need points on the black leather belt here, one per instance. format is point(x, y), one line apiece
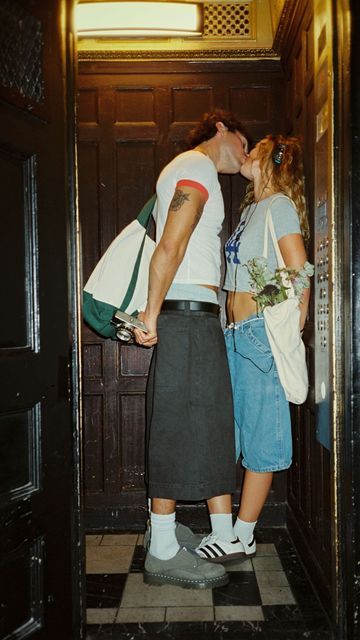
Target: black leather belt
point(190, 305)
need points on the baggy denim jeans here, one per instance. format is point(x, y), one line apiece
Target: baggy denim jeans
point(262, 414)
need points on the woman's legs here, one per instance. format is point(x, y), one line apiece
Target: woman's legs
point(256, 487)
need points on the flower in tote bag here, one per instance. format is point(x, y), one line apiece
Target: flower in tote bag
point(272, 287)
point(277, 295)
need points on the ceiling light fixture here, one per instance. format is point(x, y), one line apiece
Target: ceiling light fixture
point(137, 19)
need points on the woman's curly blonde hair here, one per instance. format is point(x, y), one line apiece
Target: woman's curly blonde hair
point(286, 177)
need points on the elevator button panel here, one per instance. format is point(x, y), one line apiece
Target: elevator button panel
point(322, 278)
point(322, 320)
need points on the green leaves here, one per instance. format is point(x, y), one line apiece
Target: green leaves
point(270, 288)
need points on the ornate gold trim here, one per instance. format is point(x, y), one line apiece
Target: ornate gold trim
point(284, 23)
point(94, 56)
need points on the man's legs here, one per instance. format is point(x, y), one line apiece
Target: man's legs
point(163, 506)
point(220, 510)
point(163, 542)
point(167, 563)
point(177, 457)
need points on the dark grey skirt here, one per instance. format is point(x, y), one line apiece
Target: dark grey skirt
point(190, 424)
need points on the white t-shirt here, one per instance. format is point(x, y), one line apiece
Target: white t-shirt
point(202, 259)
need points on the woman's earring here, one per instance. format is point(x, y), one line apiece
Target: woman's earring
point(278, 154)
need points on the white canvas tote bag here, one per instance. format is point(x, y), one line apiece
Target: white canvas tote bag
point(282, 325)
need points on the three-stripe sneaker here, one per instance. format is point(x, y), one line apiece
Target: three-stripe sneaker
point(215, 550)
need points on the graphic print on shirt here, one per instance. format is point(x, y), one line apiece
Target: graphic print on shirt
point(233, 244)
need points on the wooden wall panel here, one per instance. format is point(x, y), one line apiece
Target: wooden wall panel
point(94, 445)
point(132, 120)
point(132, 442)
point(187, 102)
point(135, 104)
point(88, 162)
point(135, 177)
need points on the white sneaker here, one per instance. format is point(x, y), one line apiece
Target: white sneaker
point(215, 550)
point(250, 548)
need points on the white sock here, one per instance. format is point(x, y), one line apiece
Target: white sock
point(163, 542)
point(244, 530)
point(222, 526)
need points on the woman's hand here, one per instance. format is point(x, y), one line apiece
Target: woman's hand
point(294, 254)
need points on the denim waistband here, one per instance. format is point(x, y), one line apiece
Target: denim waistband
point(255, 317)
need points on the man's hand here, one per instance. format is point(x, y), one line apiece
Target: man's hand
point(148, 339)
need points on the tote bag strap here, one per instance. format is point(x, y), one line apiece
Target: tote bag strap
point(144, 218)
point(269, 224)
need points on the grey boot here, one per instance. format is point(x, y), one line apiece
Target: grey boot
point(186, 569)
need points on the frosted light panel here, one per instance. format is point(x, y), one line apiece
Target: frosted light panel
point(137, 18)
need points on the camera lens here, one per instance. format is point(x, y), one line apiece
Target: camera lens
point(124, 334)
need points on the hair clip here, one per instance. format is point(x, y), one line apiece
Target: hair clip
point(278, 154)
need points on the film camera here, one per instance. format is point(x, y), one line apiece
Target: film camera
point(125, 325)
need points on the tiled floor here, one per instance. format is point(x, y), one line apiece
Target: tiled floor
point(268, 595)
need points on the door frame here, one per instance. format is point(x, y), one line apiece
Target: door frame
point(75, 293)
point(346, 591)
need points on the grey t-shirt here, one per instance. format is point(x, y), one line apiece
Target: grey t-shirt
point(247, 241)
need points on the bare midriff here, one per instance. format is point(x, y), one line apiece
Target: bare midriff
point(239, 306)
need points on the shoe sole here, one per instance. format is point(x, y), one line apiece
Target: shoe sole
point(227, 558)
point(158, 579)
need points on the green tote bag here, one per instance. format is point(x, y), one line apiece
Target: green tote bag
point(119, 281)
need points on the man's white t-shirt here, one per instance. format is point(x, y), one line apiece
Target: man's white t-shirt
point(202, 260)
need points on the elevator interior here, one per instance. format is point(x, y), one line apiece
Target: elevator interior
point(70, 429)
point(135, 104)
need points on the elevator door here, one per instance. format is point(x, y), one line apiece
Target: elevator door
point(132, 121)
point(36, 474)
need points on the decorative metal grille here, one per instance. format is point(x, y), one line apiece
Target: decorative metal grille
point(21, 45)
point(228, 20)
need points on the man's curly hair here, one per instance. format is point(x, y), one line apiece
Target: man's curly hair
point(206, 127)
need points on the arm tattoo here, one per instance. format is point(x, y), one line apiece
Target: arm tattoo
point(198, 216)
point(178, 200)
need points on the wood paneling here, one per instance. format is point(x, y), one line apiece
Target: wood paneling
point(132, 121)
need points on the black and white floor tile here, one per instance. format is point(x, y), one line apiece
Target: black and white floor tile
point(268, 595)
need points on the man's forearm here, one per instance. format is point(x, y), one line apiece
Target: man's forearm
point(163, 267)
